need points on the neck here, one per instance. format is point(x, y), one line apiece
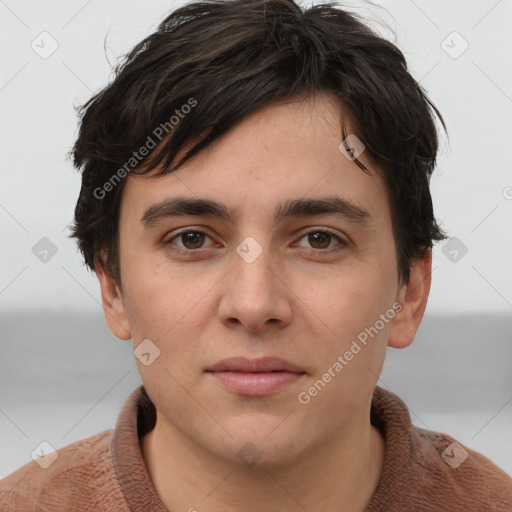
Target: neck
point(342, 474)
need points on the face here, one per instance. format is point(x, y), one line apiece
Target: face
point(300, 266)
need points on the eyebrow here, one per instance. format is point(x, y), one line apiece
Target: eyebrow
point(202, 207)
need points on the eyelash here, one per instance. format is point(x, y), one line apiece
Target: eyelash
point(341, 245)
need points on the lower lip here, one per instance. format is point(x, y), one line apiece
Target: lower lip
point(256, 384)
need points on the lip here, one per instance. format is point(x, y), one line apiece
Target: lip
point(262, 364)
point(255, 377)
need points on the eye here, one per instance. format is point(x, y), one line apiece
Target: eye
point(190, 240)
point(321, 240)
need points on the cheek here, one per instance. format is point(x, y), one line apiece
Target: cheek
point(346, 303)
point(349, 367)
point(154, 298)
point(356, 315)
point(169, 310)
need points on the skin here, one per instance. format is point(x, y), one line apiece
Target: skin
point(293, 302)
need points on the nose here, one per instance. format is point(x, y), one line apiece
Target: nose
point(255, 296)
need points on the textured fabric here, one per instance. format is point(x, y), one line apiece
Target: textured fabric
point(106, 472)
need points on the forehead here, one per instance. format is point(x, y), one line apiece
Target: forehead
point(284, 152)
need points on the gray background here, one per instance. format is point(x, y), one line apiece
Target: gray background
point(63, 376)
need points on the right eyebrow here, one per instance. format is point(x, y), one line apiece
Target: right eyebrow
point(181, 206)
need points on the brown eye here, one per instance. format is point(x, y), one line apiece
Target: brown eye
point(319, 239)
point(322, 241)
point(189, 240)
point(192, 239)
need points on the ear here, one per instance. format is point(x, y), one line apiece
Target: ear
point(113, 305)
point(413, 299)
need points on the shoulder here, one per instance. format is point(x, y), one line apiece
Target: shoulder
point(81, 476)
point(449, 468)
point(427, 471)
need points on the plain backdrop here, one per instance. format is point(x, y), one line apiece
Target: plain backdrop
point(63, 376)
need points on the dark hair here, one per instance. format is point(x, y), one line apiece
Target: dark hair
point(225, 59)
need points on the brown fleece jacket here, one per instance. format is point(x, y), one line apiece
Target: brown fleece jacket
point(423, 471)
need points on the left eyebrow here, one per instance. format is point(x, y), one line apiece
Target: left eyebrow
point(330, 205)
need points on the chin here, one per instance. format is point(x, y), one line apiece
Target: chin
point(264, 449)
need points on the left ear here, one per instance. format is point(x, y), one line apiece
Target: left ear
point(413, 299)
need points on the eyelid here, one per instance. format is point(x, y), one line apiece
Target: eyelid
point(168, 241)
point(309, 230)
point(321, 229)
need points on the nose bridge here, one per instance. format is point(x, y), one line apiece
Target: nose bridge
point(254, 293)
point(252, 278)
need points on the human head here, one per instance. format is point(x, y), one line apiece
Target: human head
point(253, 100)
point(211, 64)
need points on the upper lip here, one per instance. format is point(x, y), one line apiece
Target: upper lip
point(263, 364)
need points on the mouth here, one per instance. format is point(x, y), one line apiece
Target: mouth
point(260, 365)
point(255, 377)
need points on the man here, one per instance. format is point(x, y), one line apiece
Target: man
point(255, 204)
